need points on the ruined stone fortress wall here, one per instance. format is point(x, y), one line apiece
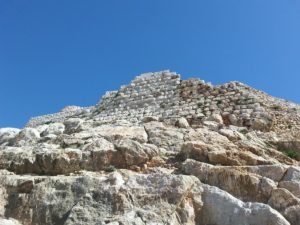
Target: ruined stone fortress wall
point(67, 112)
point(163, 94)
point(151, 94)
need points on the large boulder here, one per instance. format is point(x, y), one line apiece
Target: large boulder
point(164, 136)
point(263, 123)
point(6, 134)
point(118, 132)
point(291, 181)
point(244, 185)
point(218, 154)
point(27, 136)
point(221, 208)
point(54, 129)
point(216, 118)
point(133, 153)
point(99, 153)
point(73, 125)
point(9, 222)
point(182, 123)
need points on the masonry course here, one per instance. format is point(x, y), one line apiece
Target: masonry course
point(164, 95)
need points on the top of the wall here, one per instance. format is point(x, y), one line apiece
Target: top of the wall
point(164, 95)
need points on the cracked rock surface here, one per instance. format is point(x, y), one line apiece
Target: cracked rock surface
point(216, 169)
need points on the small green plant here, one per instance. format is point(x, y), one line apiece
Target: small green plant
point(110, 168)
point(276, 107)
point(290, 153)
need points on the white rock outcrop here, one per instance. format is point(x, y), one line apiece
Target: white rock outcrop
point(158, 151)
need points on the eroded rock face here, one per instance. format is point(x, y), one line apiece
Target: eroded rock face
point(9, 222)
point(53, 129)
point(128, 198)
point(158, 151)
point(94, 198)
point(6, 134)
point(112, 133)
point(252, 184)
point(165, 137)
point(27, 136)
point(224, 209)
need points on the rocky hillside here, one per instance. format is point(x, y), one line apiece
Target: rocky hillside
point(160, 150)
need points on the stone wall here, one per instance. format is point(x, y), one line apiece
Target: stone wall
point(69, 111)
point(151, 94)
point(163, 94)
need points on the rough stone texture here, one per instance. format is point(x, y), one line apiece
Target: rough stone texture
point(128, 198)
point(53, 129)
point(158, 151)
point(164, 95)
point(69, 111)
point(182, 123)
point(226, 210)
point(6, 134)
point(9, 222)
point(163, 136)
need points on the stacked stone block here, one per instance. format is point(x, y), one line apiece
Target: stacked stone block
point(151, 94)
point(163, 94)
point(67, 112)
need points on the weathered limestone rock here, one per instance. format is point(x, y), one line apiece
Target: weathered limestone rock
point(164, 137)
point(287, 204)
point(248, 186)
point(212, 125)
point(135, 153)
point(208, 136)
point(54, 129)
point(233, 119)
point(26, 136)
point(98, 154)
point(231, 134)
point(223, 154)
point(6, 134)
point(73, 125)
point(9, 222)
point(274, 172)
point(292, 186)
point(148, 119)
point(216, 118)
point(182, 123)
point(121, 162)
point(224, 209)
point(133, 199)
point(245, 186)
point(112, 133)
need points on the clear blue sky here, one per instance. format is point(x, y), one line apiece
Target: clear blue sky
point(69, 52)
